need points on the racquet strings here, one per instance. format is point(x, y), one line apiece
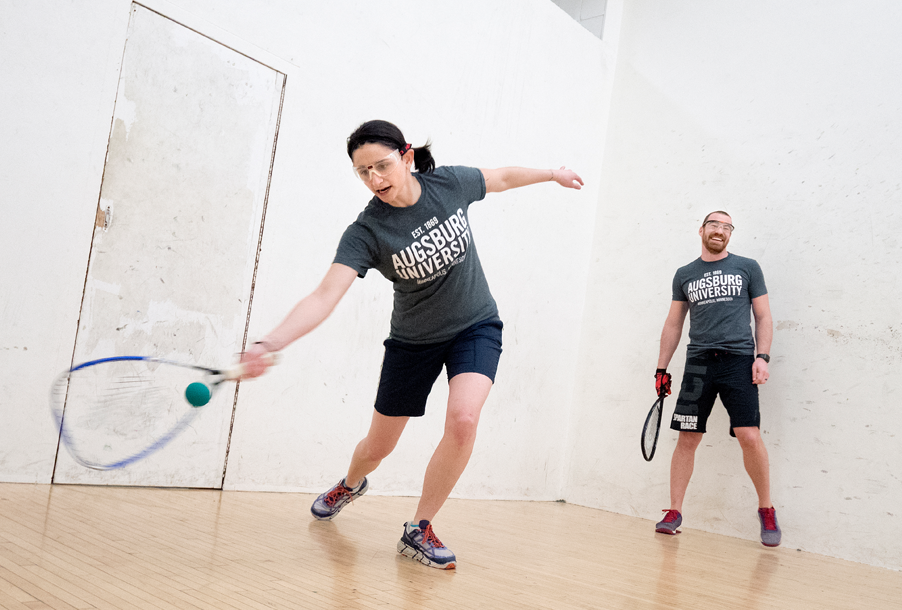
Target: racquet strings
point(113, 413)
point(652, 429)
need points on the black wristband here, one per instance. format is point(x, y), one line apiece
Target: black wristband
point(660, 371)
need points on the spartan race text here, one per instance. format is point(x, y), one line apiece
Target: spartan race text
point(687, 422)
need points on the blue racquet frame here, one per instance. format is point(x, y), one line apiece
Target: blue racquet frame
point(69, 433)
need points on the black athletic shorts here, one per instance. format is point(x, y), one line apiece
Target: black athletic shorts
point(708, 375)
point(410, 370)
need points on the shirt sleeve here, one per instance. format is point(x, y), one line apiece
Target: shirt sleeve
point(757, 287)
point(470, 180)
point(678, 294)
point(356, 249)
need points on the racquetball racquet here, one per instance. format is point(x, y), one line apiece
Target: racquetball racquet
point(113, 412)
point(652, 428)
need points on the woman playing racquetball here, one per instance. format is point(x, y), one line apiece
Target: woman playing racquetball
point(416, 232)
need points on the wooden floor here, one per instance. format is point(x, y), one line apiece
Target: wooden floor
point(97, 547)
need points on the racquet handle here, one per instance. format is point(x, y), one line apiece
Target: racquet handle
point(236, 372)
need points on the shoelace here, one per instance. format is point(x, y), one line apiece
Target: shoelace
point(770, 523)
point(336, 494)
point(430, 537)
point(671, 515)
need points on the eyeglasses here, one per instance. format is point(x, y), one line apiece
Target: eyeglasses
point(380, 168)
point(723, 226)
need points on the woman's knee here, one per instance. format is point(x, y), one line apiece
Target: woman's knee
point(460, 427)
point(376, 449)
point(382, 437)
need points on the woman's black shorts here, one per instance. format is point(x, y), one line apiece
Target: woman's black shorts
point(410, 370)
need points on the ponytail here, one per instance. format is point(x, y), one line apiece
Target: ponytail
point(387, 134)
point(422, 158)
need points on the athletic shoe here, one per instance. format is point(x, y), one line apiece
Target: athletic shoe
point(329, 504)
point(669, 524)
point(422, 544)
point(771, 534)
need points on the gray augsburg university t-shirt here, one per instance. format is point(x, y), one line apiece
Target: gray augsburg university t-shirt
point(720, 297)
point(427, 252)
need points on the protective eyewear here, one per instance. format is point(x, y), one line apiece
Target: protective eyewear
point(725, 227)
point(380, 168)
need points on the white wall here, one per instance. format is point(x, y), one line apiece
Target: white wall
point(57, 108)
point(499, 83)
point(785, 115)
point(492, 84)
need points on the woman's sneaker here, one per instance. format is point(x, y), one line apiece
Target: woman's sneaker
point(329, 504)
point(421, 543)
point(770, 530)
point(669, 524)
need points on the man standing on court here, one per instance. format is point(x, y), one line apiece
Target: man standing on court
point(723, 357)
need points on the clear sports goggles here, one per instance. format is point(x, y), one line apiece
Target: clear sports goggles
point(380, 168)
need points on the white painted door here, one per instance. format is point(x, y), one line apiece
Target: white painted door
point(183, 197)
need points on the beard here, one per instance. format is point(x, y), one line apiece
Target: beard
point(716, 247)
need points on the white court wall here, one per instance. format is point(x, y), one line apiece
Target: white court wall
point(495, 83)
point(490, 85)
point(785, 115)
point(59, 85)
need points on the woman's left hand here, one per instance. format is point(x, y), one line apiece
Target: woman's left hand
point(567, 178)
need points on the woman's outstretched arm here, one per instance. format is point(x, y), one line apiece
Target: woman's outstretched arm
point(505, 178)
point(309, 313)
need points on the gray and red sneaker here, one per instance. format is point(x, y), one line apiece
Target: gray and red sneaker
point(669, 524)
point(771, 534)
point(329, 504)
point(420, 542)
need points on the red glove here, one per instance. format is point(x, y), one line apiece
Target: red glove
point(662, 382)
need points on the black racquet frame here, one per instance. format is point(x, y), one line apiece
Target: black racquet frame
point(652, 422)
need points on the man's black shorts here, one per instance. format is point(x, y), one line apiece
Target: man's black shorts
point(409, 370)
point(708, 375)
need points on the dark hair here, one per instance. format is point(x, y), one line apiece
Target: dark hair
point(714, 212)
point(387, 134)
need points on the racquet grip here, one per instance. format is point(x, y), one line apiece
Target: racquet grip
point(236, 372)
